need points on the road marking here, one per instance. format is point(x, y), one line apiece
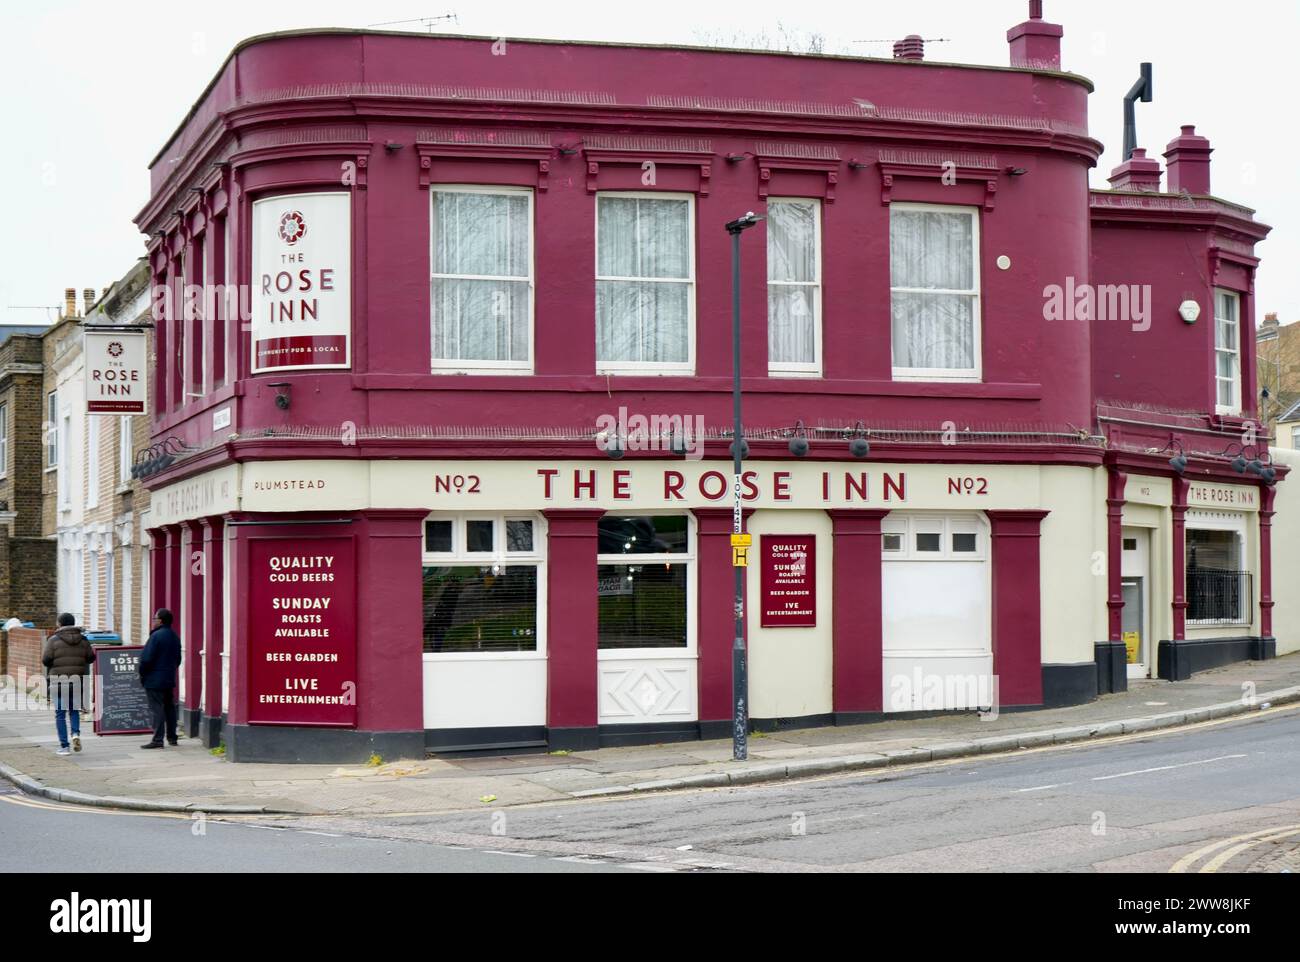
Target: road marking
point(1167, 768)
point(1224, 857)
point(1187, 861)
point(1042, 788)
point(493, 851)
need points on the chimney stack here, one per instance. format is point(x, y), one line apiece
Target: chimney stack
point(88, 295)
point(1140, 172)
point(69, 302)
point(911, 47)
point(1270, 321)
point(1036, 43)
point(1188, 157)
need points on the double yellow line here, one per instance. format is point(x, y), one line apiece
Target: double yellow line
point(1230, 848)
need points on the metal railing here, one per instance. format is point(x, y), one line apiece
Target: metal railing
point(1216, 597)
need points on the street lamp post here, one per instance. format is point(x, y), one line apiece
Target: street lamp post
point(739, 667)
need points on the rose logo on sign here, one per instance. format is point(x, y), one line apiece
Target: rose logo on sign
point(115, 349)
point(292, 226)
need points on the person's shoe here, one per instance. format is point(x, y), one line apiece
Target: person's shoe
point(76, 743)
point(63, 751)
point(152, 745)
point(173, 742)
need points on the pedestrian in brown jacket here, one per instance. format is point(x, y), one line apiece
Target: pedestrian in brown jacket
point(67, 658)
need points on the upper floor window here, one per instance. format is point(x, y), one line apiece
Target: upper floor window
point(482, 283)
point(934, 292)
point(52, 429)
point(794, 274)
point(1227, 352)
point(645, 283)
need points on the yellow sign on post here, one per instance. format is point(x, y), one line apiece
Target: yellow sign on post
point(742, 540)
point(740, 557)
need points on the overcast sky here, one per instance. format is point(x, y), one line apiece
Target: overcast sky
point(93, 89)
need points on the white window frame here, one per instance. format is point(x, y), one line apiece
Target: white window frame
point(460, 556)
point(457, 365)
point(788, 368)
point(688, 558)
point(64, 433)
point(4, 440)
point(909, 524)
point(1234, 353)
point(975, 375)
point(124, 451)
point(92, 461)
point(52, 431)
point(661, 368)
point(1236, 523)
point(1295, 438)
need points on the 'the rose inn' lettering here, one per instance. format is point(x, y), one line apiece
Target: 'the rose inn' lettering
point(675, 486)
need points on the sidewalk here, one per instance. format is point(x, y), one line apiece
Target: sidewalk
point(189, 777)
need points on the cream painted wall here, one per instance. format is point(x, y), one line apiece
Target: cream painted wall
point(1068, 583)
point(1286, 556)
point(790, 668)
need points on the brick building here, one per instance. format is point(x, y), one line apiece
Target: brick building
point(27, 582)
point(1279, 374)
point(91, 504)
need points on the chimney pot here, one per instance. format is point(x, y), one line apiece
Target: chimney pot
point(1188, 159)
point(1036, 43)
point(1139, 172)
point(69, 302)
point(88, 295)
point(911, 47)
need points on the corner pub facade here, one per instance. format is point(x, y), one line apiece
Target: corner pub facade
point(459, 477)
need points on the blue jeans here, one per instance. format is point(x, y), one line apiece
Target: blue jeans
point(65, 703)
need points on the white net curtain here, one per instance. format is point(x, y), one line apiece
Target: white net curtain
point(482, 267)
point(793, 276)
point(932, 275)
point(643, 280)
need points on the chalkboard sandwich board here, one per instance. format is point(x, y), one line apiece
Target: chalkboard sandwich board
point(121, 704)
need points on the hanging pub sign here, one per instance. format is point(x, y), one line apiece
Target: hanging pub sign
point(302, 646)
point(116, 371)
point(301, 301)
point(788, 579)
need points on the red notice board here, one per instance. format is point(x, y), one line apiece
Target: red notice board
point(788, 581)
point(302, 632)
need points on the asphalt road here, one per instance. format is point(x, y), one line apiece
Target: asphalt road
point(1136, 804)
point(1224, 797)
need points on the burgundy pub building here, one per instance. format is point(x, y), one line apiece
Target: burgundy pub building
point(449, 468)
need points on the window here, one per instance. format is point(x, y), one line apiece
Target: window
point(1295, 439)
point(65, 476)
point(1227, 352)
point(1218, 591)
point(934, 292)
point(644, 578)
point(52, 429)
point(482, 578)
point(482, 284)
point(794, 286)
point(928, 537)
point(124, 451)
point(4, 439)
point(645, 283)
point(92, 461)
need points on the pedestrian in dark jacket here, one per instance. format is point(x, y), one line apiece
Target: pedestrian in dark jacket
point(67, 657)
point(159, 662)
